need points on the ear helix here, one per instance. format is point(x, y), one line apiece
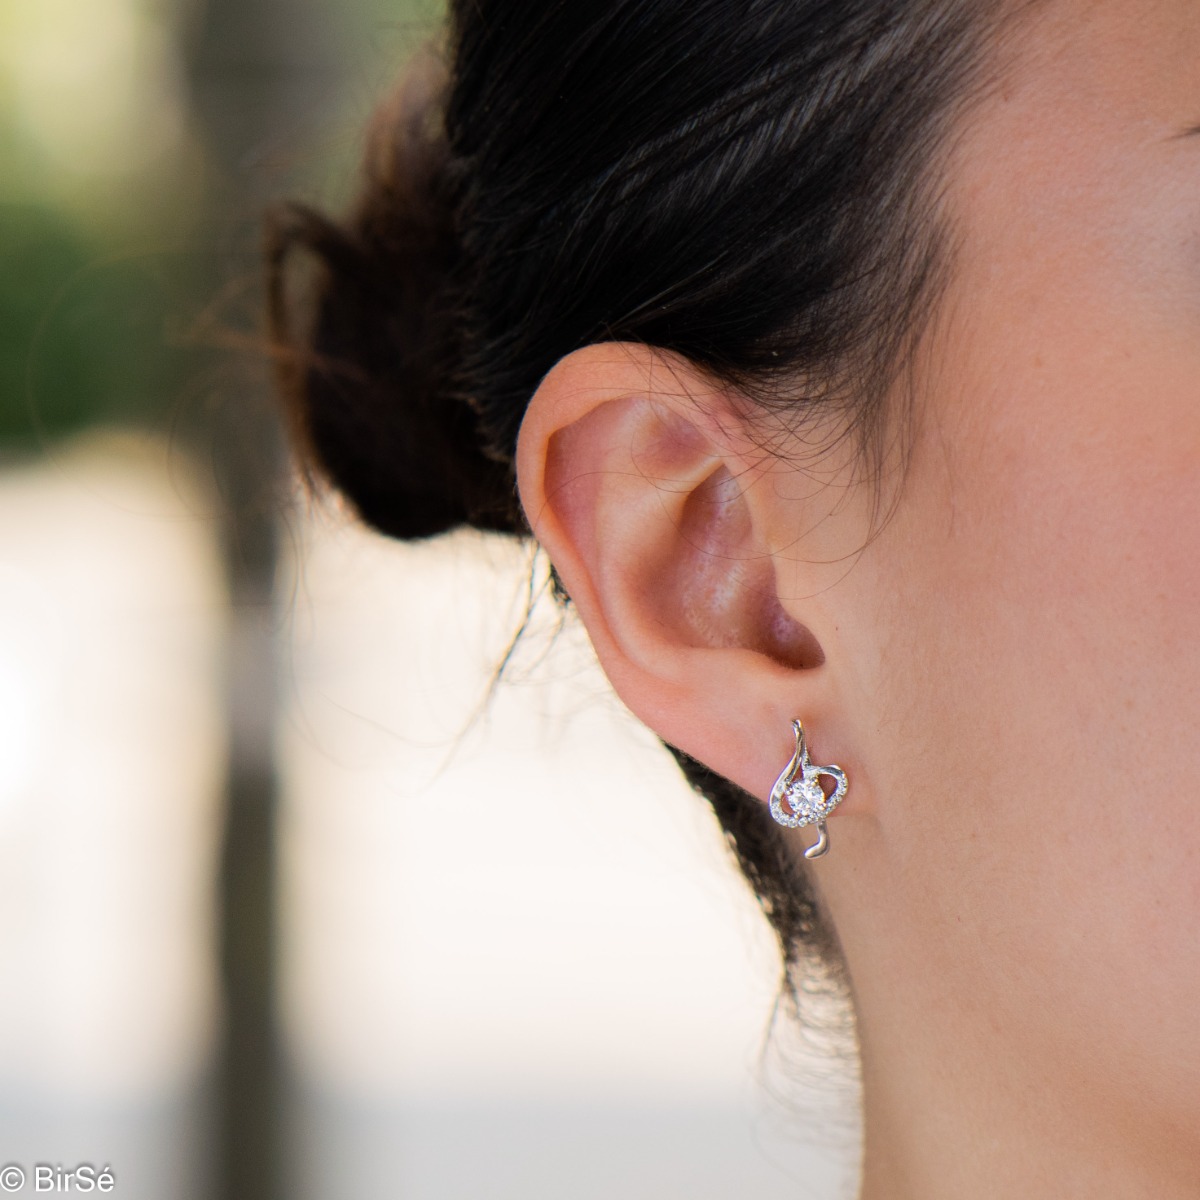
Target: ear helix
point(798, 799)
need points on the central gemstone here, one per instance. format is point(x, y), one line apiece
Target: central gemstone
point(806, 798)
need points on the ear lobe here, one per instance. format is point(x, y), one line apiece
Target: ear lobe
point(637, 480)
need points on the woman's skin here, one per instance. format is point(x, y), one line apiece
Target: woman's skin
point(1009, 672)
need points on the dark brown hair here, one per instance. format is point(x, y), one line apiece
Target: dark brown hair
point(748, 183)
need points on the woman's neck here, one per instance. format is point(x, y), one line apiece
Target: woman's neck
point(957, 1105)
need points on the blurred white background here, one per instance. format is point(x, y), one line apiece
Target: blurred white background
point(516, 959)
point(112, 628)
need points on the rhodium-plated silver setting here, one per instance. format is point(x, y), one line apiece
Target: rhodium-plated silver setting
point(799, 799)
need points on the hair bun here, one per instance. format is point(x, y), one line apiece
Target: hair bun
point(368, 379)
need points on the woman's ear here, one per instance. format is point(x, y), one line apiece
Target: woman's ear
point(663, 518)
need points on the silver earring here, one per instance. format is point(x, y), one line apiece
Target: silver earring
point(798, 798)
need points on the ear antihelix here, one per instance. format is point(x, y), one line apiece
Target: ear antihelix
point(798, 799)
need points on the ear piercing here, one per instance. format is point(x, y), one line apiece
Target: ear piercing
point(798, 798)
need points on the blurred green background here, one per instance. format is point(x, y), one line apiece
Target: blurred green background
point(139, 140)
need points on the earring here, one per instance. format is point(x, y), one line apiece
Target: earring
point(798, 798)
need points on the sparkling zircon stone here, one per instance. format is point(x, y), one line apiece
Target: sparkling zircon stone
point(806, 798)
